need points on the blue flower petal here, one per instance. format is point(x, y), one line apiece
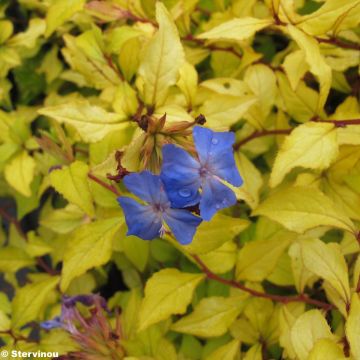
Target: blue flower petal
point(216, 153)
point(223, 165)
point(183, 224)
point(146, 186)
point(215, 196)
point(142, 221)
point(51, 324)
point(180, 175)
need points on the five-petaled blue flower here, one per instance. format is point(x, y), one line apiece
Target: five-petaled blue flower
point(147, 221)
point(183, 175)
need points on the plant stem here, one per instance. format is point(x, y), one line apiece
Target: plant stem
point(39, 260)
point(340, 43)
point(278, 298)
point(102, 183)
point(260, 133)
point(211, 47)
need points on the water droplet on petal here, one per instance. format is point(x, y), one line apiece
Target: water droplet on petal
point(214, 141)
point(218, 206)
point(211, 153)
point(184, 193)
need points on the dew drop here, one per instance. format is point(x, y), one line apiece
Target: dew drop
point(218, 206)
point(214, 141)
point(184, 193)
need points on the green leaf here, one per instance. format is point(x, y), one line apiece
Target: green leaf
point(89, 246)
point(236, 29)
point(92, 122)
point(327, 262)
point(20, 172)
point(311, 145)
point(59, 12)
point(167, 292)
point(12, 259)
point(352, 327)
point(302, 208)
point(211, 317)
point(308, 328)
point(30, 299)
point(316, 62)
point(211, 235)
point(63, 220)
point(331, 15)
point(72, 183)
point(326, 349)
point(257, 259)
point(226, 352)
point(162, 59)
point(295, 67)
point(136, 250)
point(222, 111)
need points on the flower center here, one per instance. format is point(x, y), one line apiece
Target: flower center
point(159, 208)
point(204, 171)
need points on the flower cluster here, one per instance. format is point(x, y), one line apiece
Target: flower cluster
point(184, 182)
point(93, 335)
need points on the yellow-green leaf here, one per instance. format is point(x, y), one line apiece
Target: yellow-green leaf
point(316, 62)
point(61, 11)
point(211, 235)
point(326, 349)
point(295, 67)
point(222, 111)
point(302, 208)
point(30, 299)
point(236, 29)
point(311, 145)
point(92, 122)
point(12, 259)
point(88, 246)
point(330, 15)
point(167, 292)
point(162, 59)
point(72, 183)
point(308, 328)
point(327, 262)
point(19, 173)
point(225, 352)
point(211, 317)
point(353, 326)
point(257, 259)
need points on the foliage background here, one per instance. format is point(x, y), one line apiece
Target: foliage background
point(274, 277)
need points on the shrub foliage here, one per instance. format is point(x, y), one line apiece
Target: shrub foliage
point(91, 91)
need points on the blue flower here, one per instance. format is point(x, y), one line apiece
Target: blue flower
point(183, 175)
point(147, 221)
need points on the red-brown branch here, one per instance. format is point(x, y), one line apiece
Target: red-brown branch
point(340, 43)
point(39, 261)
point(257, 134)
point(13, 221)
point(102, 183)
point(278, 298)
point(260, 133)
point(211, 47)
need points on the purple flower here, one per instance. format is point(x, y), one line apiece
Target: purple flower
point(183, 175)
point(147, 220)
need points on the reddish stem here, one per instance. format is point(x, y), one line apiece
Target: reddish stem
point(278, 298)
point(13, 221)
point(211, 47)
point(340, 43)
point(102, 183)
point(256, 134)
point(39, 261)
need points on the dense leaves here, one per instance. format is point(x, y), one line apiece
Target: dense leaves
point(179, 179)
